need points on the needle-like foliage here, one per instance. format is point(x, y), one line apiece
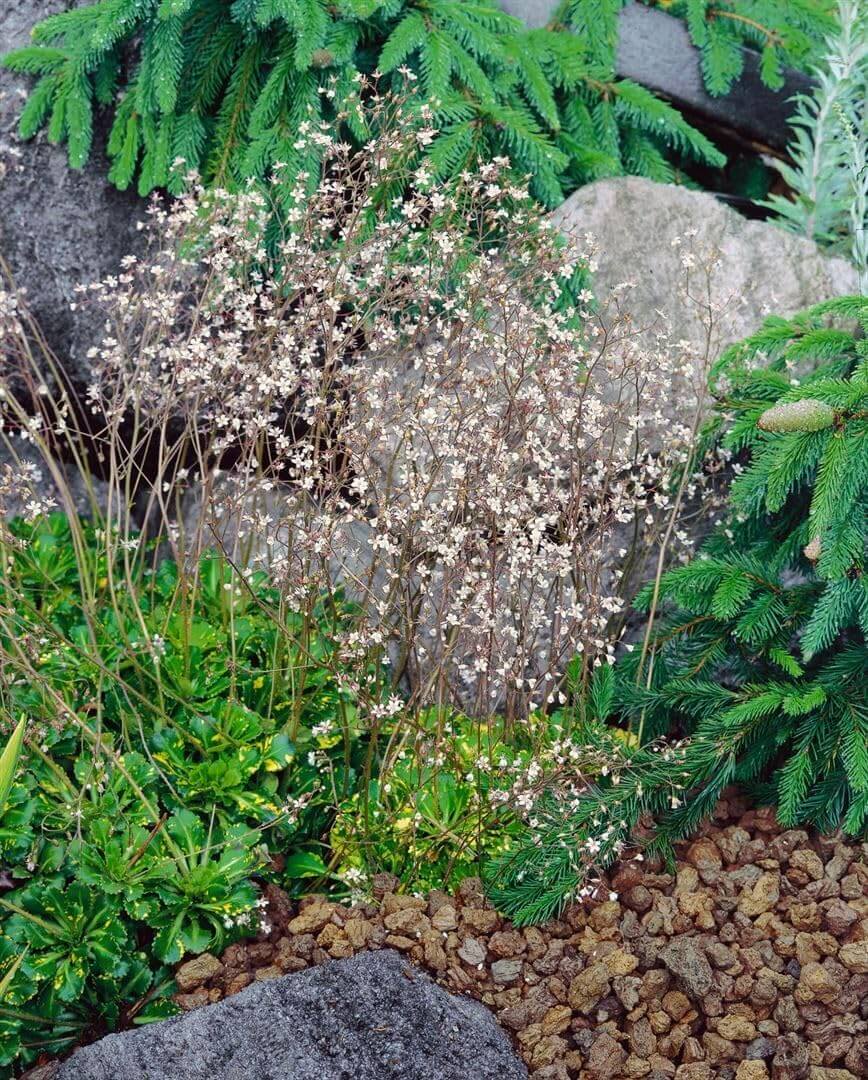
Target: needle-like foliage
point(224, 85)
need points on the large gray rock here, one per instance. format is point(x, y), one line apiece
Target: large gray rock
point(761, 270)
point(58, 227)
point(370, 1018)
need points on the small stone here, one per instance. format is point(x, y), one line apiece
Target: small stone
point(548, 963)
point(854, 957)
point(857, 1056)
point(340, 949)
point(588, 987)
point(686, 960)
point(762, 897)
point(242, 979)
point(358, 931)
point(547, 1051)
point(393, 902)
point(737, 1028)
point(606, 1059)
point(636, 1067)
point(557, 1019)
point(809, 862)
point(263, 974)
point(621, 962)
point(676, 1004)
point(505, 972)
point(642, 1039)
point(188, 1002)
point(507, 943)
point(445, 918)
point(637, 898)
point(760, 1049)
point(839, 918)
point(816, 984)
point(692, 1050)
point(398, 941)
point(435, 955)
point(704, 854)
point(471, 892)
point(472, 952)
point(480, 920)
point(719, 1051)
point(381, 884)
point(696, 1070)
point(197, 971)
point(752, 1070)
point(312, 918)
point(792, 1060)
point(805, 916)
point(626, 990)
point(407, 921)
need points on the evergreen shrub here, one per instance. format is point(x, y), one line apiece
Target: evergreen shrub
point(225, 85)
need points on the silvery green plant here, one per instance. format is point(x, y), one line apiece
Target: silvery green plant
point(859, 186)
point(827, 173)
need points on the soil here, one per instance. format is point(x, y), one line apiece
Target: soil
point(750, 962)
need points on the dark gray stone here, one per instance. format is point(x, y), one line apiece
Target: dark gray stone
point(374, 1017)
point(655, 49)
point(58, 227)
point(760, 1049)
point(684, 957)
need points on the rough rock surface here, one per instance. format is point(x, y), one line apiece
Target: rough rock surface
point(58, 227)
point(749, 963)
point(764, 270)
point(371, 1018)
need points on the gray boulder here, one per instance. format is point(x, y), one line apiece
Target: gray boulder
point(762, 270)
point(58, 227)
point(374, 1017)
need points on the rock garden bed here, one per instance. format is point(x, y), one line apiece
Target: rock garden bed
point(750, 961)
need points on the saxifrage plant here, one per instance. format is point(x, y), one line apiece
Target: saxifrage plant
point(226, 84)
point(759, 664)
point(170, 748)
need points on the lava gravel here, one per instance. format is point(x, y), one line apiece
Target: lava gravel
point(749, 962)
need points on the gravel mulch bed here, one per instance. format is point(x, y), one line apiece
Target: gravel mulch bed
point(751, 962)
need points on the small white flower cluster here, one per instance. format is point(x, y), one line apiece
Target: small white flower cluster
point(21, 493)
point(254, 919)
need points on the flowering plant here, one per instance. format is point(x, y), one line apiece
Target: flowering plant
point(406, 398)
point(343, 478)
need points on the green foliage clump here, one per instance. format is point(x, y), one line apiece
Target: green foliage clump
point(431, 820)
point(170, 750)
point(224, 85)
point(759, 663)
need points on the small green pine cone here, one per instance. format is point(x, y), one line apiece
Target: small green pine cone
point(806, 415)
point(813, 550)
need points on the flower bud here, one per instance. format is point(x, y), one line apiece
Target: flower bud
point(806, 415)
